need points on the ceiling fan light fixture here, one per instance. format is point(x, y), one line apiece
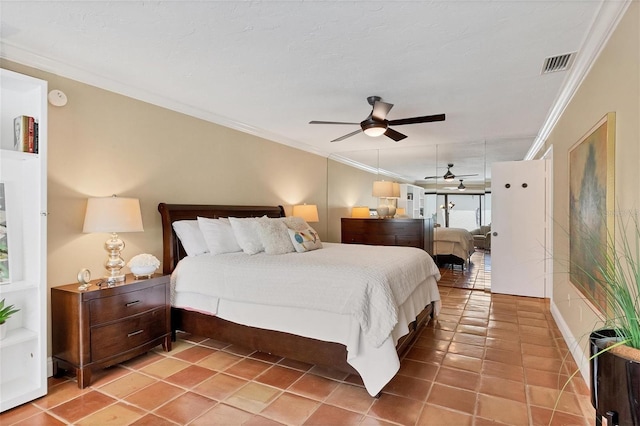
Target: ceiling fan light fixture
point(449, 177)
point(461, 187)
point(373, 128)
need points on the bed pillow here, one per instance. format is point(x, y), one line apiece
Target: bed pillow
point(245, 230)
point(274, 236)
point(305, 240)
point(295, 223)
point(189, 234)
point(218, 235)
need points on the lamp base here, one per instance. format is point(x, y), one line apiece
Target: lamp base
point(114, 262)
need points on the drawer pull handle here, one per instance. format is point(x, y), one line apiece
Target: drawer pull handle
point(134, 333)
point(132, 303)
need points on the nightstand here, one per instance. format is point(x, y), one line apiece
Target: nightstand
point(103, 326)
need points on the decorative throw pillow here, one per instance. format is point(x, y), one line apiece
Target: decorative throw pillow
point(305, 240)
point(218, 235)
point(274, 236)
point(191, 237)
point(246, 232)
point(295, 223)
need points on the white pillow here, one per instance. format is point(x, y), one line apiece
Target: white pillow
point(305, 240)
point(295, 223)
point(274, 236)
point(189, 234)
point(246, 232)
point(218, 235)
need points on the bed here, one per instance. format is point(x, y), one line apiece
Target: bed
point(324, 336)
point(452, 246)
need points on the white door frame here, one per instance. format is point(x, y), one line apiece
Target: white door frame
point(548, 285)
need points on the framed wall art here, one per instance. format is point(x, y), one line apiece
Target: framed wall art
point(591, 207)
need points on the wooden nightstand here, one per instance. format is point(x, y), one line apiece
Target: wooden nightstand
point(100, 327)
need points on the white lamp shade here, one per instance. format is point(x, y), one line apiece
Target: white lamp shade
point(360, 211)
point(309, 212)
point(396, 190)
point(113, 214)
point(383, 189)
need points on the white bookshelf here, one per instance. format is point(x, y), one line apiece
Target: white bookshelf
point(23, 373)
point(412, 200)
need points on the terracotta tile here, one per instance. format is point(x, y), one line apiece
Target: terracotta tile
point(117, 414)
point(329, 373)
point(372, 421)
point(470, 339)
point(40, 419)
point(223, 415)
point(541, 351)
point(165, 368)
point(452, 398)
point(185, 408)
point(458, 378)
point(290, 409)
point(466, 349)
point(253, 397)
point(262, 356)
point(219, 361)
point(396, 409)
point(463, 362)
point(190, 376)
point(554, 399)
point(545, 379)
point(504, 344)
point(502, 410)
point(408, 387)
point(143, 360)
point(545, 416)
point(194, 354)
point(279, 377)
point(152, 420)
point(154, 395)
point(425, 355)
point(106, 375)
point(238, 350)
point(330, 415)
point(19, 413)
point(472, 329)
point(179, 346)
point(478, 322)
point(313, 386)
point(542, 363)
point(220, 386)
point(296, 365)
point(257, 420)
point(417, 369)
point(499, 369)
point(434, 415)
point(351, 397)
point(82, 406)
point(505, 357)
point(127, 385)
point(58, 394)
point(503, 388)
point(214, 344)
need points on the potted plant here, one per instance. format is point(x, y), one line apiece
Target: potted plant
point(5, 314)
point(615, 348)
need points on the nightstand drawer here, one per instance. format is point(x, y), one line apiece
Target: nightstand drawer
point(126, 304)
point(113, 339)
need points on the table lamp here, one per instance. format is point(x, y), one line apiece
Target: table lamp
point(309, 212)
point(113, 215)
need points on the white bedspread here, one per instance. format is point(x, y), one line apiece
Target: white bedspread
point(367, 282)
point(456, 241)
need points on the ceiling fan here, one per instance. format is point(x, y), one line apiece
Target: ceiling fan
point(449, 176)
point(376, 124)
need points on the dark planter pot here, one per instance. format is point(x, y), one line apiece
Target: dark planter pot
point(615, 384)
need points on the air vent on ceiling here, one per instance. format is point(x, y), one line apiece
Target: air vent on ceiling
point(558, 63)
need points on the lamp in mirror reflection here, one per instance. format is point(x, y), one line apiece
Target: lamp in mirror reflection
point(309, 212)
point(387, 193)
point(461, 187)
point(113, 215)
point(360, 211)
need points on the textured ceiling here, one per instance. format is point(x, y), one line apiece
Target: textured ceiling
point(270, 67)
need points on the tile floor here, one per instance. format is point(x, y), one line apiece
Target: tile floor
point(487, 359)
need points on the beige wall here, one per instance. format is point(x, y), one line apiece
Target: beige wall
point(612, 85)
point(102, 143)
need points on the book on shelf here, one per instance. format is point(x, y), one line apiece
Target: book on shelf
point(25, 134)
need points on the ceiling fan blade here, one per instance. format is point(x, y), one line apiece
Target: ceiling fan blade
point(432, 177)
point(459, 176)
point(348, 135)
point(415, 120)
point(380, 110)
point(396, 136)
point(331, 122)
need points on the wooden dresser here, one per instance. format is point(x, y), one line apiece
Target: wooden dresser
point(100, 327)
point(389, 232)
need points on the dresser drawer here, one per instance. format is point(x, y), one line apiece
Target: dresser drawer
point(118, 337)
point(126, 304)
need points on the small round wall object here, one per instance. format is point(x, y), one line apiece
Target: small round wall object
point(84, 277)
point(57, 98)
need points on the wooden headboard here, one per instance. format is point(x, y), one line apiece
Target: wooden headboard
point(172, 250)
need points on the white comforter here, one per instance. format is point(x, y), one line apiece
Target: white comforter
point(367, 282)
